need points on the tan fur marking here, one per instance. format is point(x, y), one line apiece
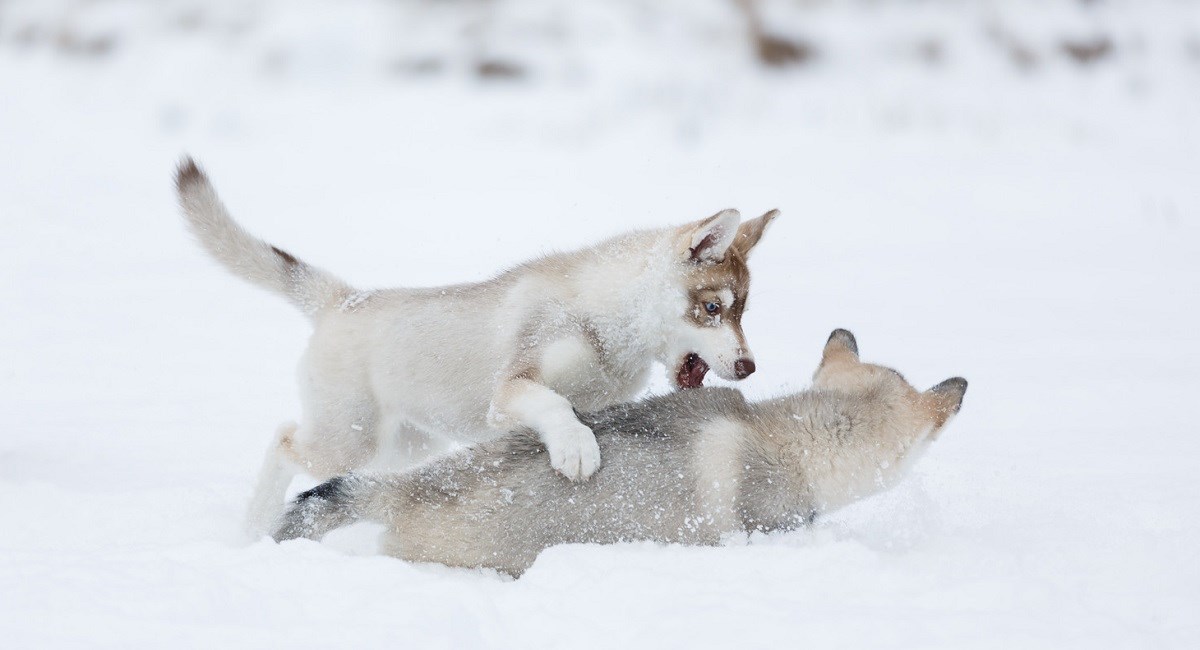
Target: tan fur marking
point(530, 373)
point(287, 445)
point(706, 282)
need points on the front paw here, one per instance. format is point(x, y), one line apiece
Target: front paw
point(574, 452)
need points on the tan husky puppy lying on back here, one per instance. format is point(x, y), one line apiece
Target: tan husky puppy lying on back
point(686, 467)
point(409, 372)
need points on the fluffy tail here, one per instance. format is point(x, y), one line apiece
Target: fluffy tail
point(335, 503)
point(308, 287)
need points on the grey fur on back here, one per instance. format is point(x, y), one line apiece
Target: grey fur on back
point(498, 504)
point(686, 468)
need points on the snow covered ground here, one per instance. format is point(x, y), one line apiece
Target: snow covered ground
point(1034, 227)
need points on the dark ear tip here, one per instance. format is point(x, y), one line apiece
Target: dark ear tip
point(953, 385)
point(845, 337)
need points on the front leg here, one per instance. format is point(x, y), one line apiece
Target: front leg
point(522, 400)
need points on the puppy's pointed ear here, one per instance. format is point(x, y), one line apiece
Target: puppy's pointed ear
point(751, 231)
point(945, 399)
point(708, 240)
point(841, 344)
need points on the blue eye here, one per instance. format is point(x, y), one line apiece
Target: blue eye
point(712, 308)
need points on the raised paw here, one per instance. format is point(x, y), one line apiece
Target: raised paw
point(573, 451)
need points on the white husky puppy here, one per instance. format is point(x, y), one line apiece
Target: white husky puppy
point(686, 467)
point(409, 372)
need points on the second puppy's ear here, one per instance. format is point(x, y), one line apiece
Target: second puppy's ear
point(841, 342)
point(945, 399)
point(707, 241)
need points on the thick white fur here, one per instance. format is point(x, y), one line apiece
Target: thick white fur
point(719, 468)
point(395, 376)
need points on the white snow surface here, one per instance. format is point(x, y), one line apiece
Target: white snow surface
point(1034, 230)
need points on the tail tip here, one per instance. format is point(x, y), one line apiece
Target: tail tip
point(314, 512)
point(188, 175)
point(328, 491)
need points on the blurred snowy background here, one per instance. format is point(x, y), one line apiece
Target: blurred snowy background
point(1006, 190)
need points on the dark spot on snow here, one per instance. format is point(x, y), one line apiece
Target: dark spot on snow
point(497, 69)
point(1088, 51)
point(777, 52)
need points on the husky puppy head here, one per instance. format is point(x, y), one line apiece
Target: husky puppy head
point(711, 268)
point(842, 370)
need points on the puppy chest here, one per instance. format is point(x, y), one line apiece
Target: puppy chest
point(589, 377)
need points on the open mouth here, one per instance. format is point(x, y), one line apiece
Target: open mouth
point(691, 372)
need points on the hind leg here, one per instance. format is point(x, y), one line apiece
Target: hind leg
point(336, 444)
point(278, 469)
point(338, 427)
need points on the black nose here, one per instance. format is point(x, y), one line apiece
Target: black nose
point(743, 368)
